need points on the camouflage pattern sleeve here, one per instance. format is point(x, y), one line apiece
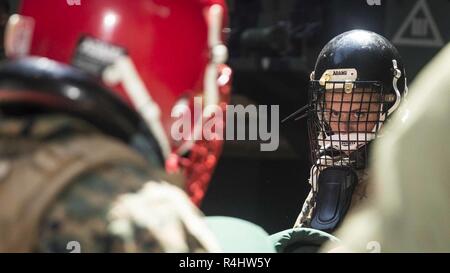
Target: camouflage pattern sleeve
point(93, 213)
point(304, 218)
point(305, 215)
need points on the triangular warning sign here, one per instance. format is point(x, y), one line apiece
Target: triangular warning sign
point(419, 28)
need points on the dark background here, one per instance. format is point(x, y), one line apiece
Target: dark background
point(273, 46)
point(272, 66)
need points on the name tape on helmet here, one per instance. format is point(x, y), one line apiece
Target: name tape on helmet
point(339, 75)
point(93, 55)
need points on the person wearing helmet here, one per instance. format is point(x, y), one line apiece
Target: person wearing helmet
point(156, 57)
point(409, 211)
point(86, 102)
point(358, 81)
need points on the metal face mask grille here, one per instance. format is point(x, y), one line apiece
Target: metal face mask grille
point(344, 118)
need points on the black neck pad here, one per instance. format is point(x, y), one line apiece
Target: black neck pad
point(335, 190)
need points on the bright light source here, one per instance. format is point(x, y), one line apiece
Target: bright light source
point(110, 20)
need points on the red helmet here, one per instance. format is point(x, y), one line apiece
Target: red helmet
point(153, 54)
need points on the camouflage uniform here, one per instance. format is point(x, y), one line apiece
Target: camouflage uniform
point(63, 184)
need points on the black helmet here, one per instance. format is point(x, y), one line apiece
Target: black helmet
point(369, 53)
point(358, 81)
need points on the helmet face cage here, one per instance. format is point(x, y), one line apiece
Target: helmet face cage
point(344, 118)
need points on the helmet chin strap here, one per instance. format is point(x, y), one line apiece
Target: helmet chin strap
point(218, 56)
point(346, 142)
point(123, 71)
point(397, 75)
point(398, 97)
